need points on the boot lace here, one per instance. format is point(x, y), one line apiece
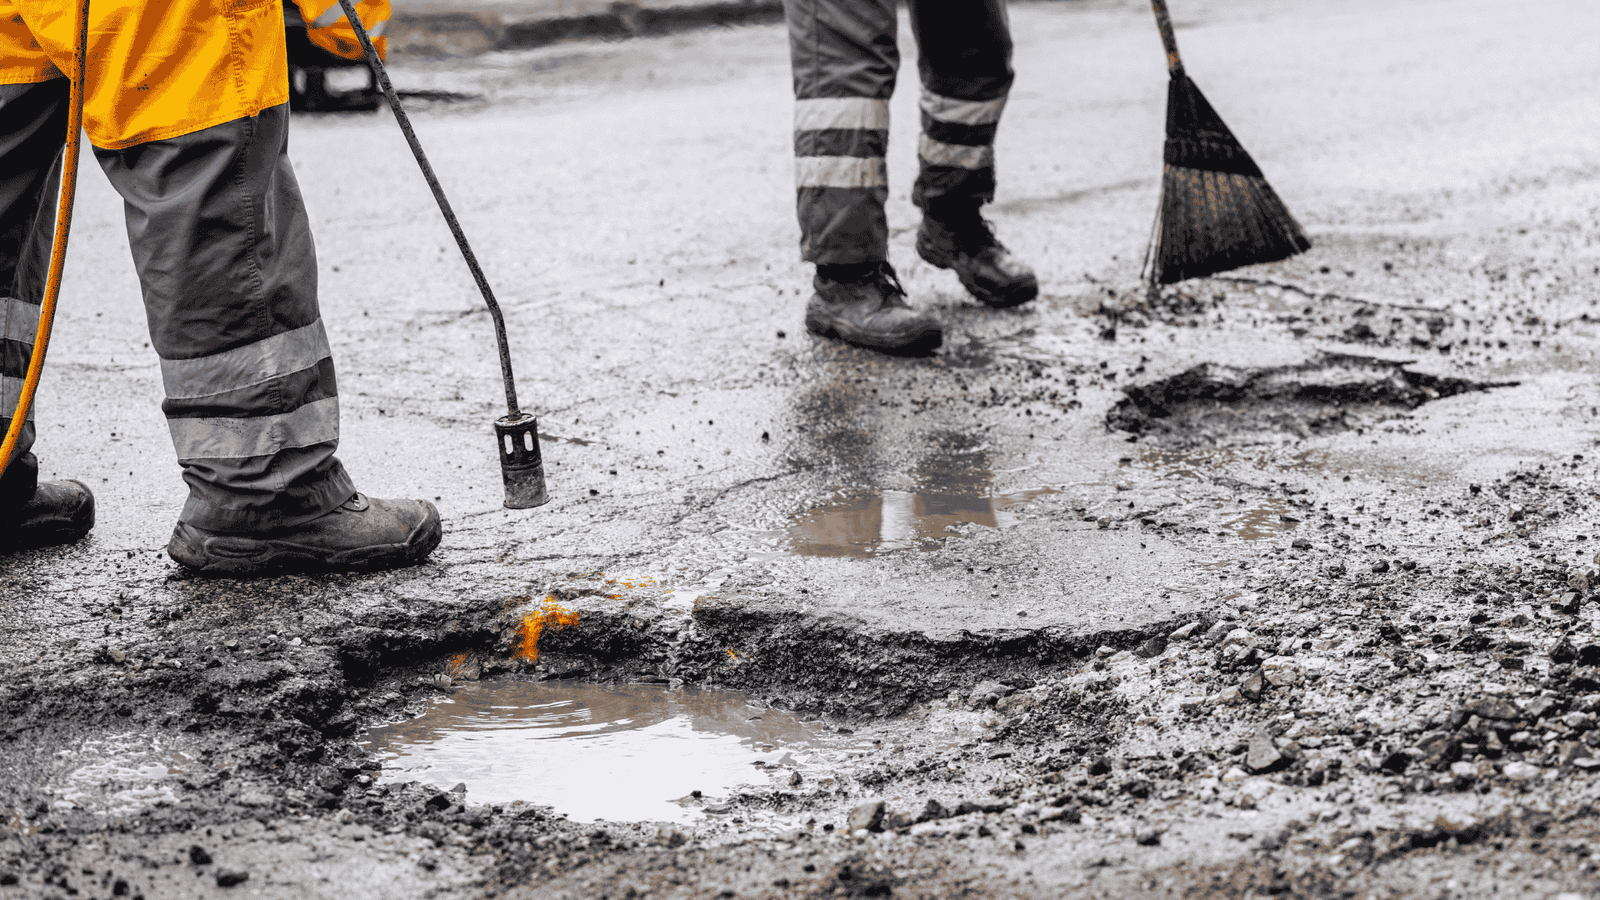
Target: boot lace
point(894, 293)
point(975, 234)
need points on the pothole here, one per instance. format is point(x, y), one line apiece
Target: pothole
point(1214, 405)
point(953, 490)
point(622, 753)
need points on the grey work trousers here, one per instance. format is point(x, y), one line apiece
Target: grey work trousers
point(223, 249)
point(845, 56)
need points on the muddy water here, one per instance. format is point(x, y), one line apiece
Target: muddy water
point(952, 489)
point(619, 753)
point(1259, 518)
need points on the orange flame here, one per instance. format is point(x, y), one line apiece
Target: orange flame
point(551, 614)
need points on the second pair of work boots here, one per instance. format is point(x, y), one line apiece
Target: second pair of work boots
point(866, 305)
point(360, 534)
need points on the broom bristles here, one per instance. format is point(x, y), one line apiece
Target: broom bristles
point(1217, 210)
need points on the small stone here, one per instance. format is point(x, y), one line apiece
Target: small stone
point(1239, 637)
point(671, 836)
point(1521, 771)
point(1493, 708)
point(1100, 766)
point(985, 688)
point(1252, 686)
point(1105, 652)
point(1151, 648)
point(1068, 814)
point(1229, 696)
point(1280, 672)
point(1463, 769)
point(231, 877)
point(1437, 748)
point(1216, 633)
point(1586, 762)
point(1151, 838)
point(1380, 567)
point(1263, 754)
point(198, 856)
point(933, 810)
point(868, 816)
point(1578, 721)
point(1538, 706)
point(1397, 762)
point(117, 656)
point(1183, 634)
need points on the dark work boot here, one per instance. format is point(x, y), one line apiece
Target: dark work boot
point(361, 535)
point(870, 310)
point(59, 512)
point(958, 238)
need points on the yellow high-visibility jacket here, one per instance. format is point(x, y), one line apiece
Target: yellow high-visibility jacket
point(155, 69)
point(327, 27)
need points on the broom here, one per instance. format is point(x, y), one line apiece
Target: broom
point(1217, 211)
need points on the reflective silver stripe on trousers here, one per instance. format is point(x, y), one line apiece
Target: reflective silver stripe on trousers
point(962, 112)
point(18, 321)
point(961, 156)
point(840, 172)
point(221, 438)
point(241, 367)
point(861, 113)
point(10, 396)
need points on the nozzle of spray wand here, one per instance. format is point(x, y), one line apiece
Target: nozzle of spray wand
point(521, 463)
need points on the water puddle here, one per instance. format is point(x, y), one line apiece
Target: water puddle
point(953, 488)
point(619, 753)
point(864, 526)
point(1261, 517)
point(119, 775)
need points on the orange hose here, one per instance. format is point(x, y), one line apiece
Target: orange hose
point(58, 248)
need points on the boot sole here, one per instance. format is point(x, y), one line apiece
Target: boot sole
point(992, 296)
point(920, 344)
point(235, 556)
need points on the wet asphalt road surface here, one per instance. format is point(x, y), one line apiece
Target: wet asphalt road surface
point(1365, 476)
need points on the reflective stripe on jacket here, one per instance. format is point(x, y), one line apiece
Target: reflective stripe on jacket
point(327, 27)
point(156, 69)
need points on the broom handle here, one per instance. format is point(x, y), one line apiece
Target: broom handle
point(1164, 22)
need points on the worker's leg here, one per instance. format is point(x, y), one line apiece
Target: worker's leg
point(964, 60)
point(965, 63)
point(225, 259)
point(844, 60)
point(844, 57)
point(33, 128)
